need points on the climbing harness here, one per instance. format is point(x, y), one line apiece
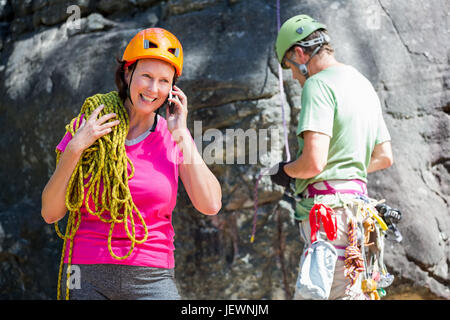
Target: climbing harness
point(105, 164)
point(325, 187)
point(363, 256)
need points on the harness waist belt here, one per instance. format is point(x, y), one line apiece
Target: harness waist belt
point(354, 186)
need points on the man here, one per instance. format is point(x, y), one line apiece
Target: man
point(342, 136)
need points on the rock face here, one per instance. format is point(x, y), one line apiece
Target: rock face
point(50, 61)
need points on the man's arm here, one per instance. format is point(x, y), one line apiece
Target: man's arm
point(314, 156)
point(381, 157)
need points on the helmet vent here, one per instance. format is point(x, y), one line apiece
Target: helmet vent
point(174, 51)
point(148, 44)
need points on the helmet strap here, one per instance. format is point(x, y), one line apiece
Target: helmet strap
point(322, 39)
point(155, 121)
point(303, 68)
point(129, 84)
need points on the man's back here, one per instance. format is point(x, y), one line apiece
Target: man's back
point(341, 103)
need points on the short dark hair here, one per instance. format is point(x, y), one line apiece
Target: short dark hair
point(121, 84)
point(309, 50)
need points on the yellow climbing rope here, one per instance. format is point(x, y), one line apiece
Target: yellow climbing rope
point(103, 163)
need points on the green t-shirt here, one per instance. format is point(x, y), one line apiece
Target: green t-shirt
point(341, 103)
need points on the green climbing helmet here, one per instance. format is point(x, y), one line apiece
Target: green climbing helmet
point(293, 31)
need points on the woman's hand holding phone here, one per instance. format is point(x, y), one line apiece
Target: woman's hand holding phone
point(176, 110)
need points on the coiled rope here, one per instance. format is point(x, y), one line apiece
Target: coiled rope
point(354, 262)
point(103, 163)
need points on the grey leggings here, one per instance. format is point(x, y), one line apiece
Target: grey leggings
point(119, 282)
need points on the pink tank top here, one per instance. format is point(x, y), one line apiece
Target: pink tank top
point(153, 187)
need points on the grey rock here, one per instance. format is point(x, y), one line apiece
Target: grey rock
point(176, 7)
point(21, 7)
point(231, 81)
point(152, 19)
point(94, 22)
point(21, 25)
point(111, 6)
point(51, 15)
point(5, 10)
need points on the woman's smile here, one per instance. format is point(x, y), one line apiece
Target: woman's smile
point(147, 99)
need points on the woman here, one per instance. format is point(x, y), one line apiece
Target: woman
point(119, 256)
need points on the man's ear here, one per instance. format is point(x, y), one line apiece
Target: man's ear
point(298, 51)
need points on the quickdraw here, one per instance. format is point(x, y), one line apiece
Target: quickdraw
point(369, 264)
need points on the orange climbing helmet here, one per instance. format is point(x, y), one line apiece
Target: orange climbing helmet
point(155, 43)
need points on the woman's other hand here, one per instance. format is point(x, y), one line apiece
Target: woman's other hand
point(93, 129)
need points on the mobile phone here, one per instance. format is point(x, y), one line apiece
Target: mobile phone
point(171, 104)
